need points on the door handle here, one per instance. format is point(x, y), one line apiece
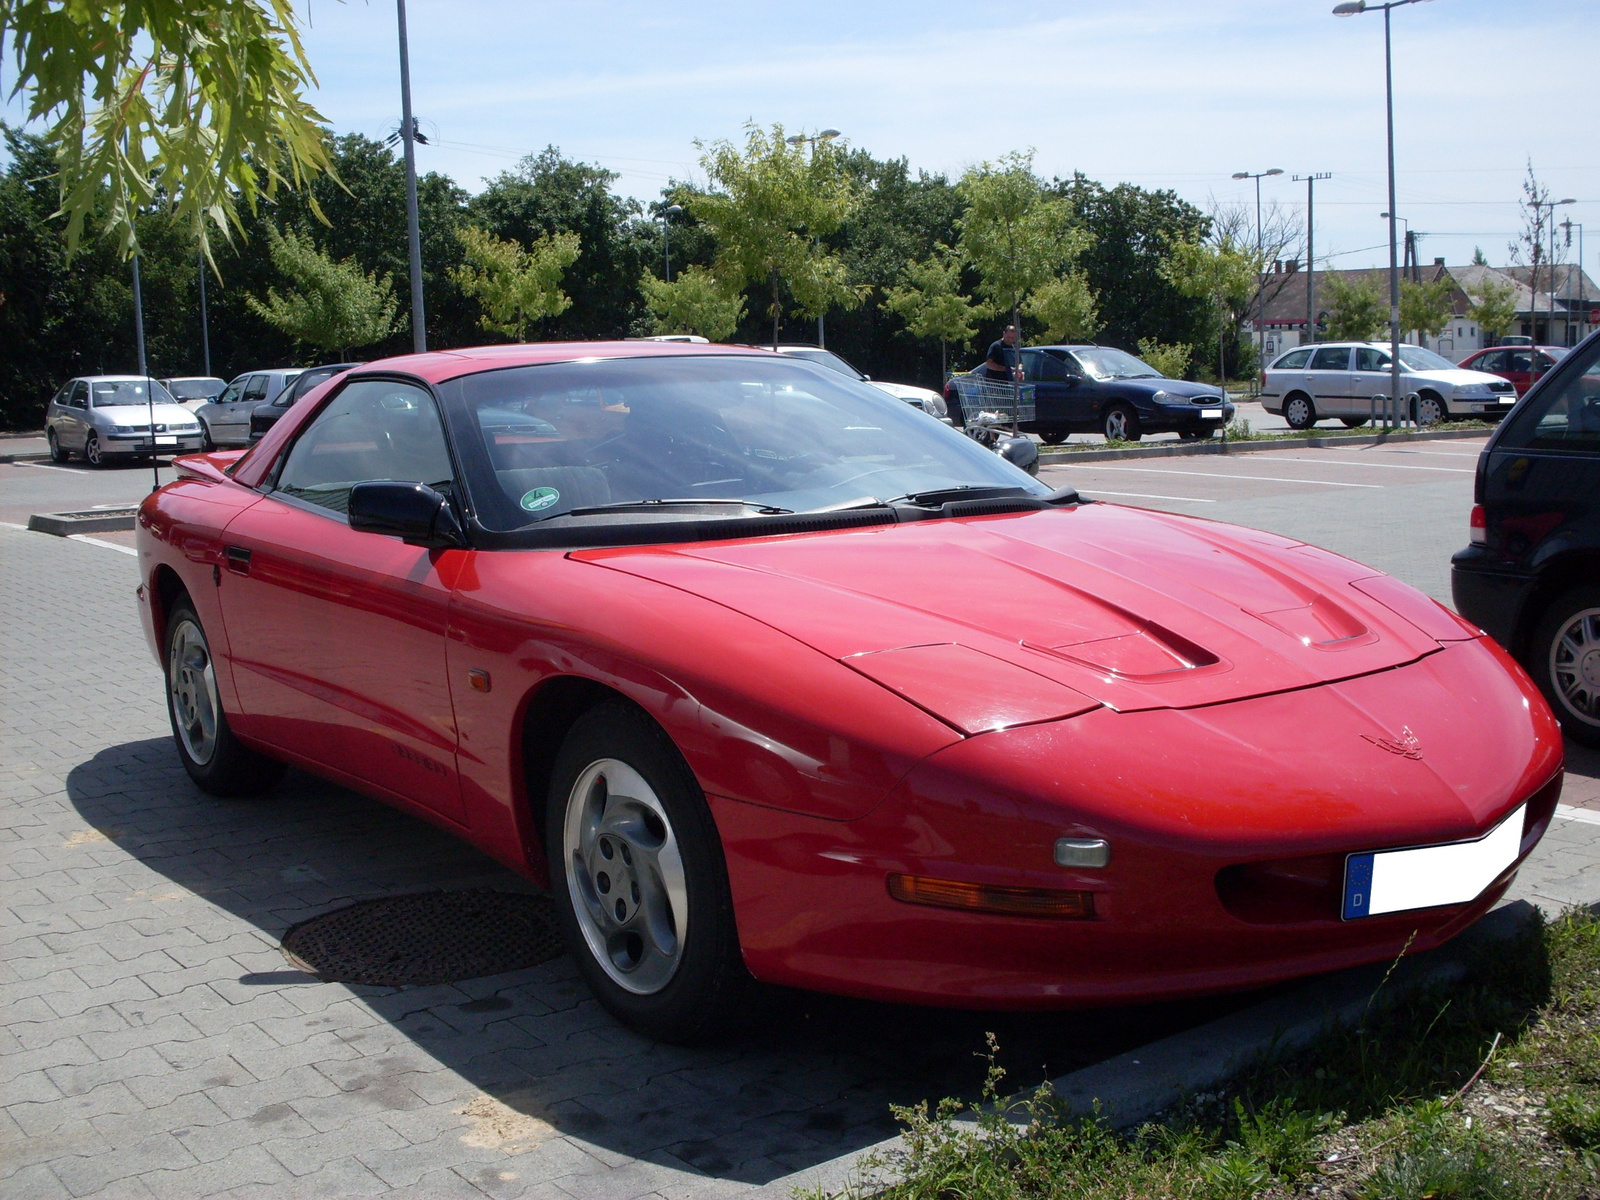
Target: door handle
point(238, 560)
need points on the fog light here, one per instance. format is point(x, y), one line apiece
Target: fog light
point(977, 897)
point(1082, 852)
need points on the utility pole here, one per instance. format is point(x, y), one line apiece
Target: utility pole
point(205, 328)
point(1311, 258)
point(408, 133)
point(144, 370)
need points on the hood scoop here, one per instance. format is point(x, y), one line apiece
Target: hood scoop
point(1319, 624)
point(1148, 655)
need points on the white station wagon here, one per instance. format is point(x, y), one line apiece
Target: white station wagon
point(1339, 379)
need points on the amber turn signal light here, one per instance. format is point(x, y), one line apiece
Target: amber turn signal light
point(978, 897)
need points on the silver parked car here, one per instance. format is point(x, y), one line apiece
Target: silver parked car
point(106, 416)
point(1339, 379)
point(929, 401)
point(194, 389)
point(226, 420)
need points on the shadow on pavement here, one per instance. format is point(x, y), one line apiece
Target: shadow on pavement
point(810, 1078)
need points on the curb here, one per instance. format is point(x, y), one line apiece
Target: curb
point(106, 520)
point(1136, 1085)
point(1189, 449)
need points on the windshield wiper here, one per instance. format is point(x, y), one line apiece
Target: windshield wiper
point(682, 502)
point(965, 491)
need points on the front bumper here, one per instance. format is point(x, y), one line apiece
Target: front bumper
point(141, 443)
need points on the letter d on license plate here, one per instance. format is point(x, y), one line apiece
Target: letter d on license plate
point(1386, 881)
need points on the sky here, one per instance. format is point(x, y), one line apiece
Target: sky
point(1157, 93)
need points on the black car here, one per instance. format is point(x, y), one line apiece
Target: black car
point(264, 416)
point(1531, 576)
point(1099, 389)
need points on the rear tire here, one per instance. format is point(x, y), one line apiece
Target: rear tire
point(1053, 438)
point(58, 452)
point(217, 761)
point(1354, 422)
point(639, 881)
point(1298, 411)
point(1564, 659)
point(1121, 424)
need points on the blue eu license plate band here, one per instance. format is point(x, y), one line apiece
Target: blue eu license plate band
point(1357, 885)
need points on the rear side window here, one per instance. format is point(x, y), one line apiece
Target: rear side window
point(1566, 416)
point(1331, 358)
point(1493, 361)
point(256, 389)
point(1292, 361)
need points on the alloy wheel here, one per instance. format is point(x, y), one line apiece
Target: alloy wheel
point(1575, 665)
point(625, 875)
point(192, 686)
point(91, 449)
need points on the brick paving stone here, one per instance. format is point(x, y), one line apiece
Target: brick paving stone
point(248, 1165)
point(35, 1183)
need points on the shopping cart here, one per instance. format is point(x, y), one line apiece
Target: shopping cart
point(992, 403)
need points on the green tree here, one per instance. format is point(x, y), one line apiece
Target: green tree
point(931, 303)
point(695, 302)
point(1065, 308)
point(1426, 307)
point(1018, 239)
point(1171, 360)
point(771, 206)
point(197, 101)
point(1356, 309)
point(515, 286)
point(331, 305)
point(1221, 273)
point(1134, 231)
point(1494, 309)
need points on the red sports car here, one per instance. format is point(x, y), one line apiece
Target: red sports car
point(769, 675)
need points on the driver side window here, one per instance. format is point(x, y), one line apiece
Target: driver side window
point(1565, 417)
point(375, 429)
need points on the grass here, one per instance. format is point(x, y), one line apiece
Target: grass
point(1239, 430)
point(1485, 1089)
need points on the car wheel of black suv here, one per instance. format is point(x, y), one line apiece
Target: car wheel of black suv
point(639, 881)
point(214, 758)
point(1564, 659)
point(1053, 438)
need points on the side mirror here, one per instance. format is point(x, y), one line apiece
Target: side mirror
point(412, 512)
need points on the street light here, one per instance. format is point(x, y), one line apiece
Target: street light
point(1550, 307)
point(1350, 9)
point(1261, 284)
point(1311, 258)
point(795, 139)
point(408, 133)
point(1583, 309)
point(665, 217)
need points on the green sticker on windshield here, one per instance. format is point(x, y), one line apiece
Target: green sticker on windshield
point(540, 499)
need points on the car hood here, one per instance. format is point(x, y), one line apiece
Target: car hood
point(905, 391)
point(995, 621)
point(1173, 387)
point(1460, 377)
point(139, 414)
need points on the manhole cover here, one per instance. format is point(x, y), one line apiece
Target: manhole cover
point(427, 937)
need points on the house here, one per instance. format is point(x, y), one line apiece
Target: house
point(1569, 312)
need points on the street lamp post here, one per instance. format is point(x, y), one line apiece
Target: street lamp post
point(1550, 306)
point(408, 134)
point(1583, 308)
point(827, 135)
point(665, 217)
point(1349, 9)
point(1311, 258)
point(1261, 284)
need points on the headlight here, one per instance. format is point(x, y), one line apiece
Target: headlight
point(126, 428)
point(937, 406)
point(1160, 398)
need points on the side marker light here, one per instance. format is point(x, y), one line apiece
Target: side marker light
point(1082, 852)
point(977, 897)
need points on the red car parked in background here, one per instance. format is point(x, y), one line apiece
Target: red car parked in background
point(1522, 365)
point(767, 674)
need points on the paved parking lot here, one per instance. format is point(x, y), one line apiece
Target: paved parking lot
point(154, 1041)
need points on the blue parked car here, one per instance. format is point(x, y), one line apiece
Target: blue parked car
point(1098, 389)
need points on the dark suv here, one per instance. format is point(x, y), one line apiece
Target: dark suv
point(1531, 576)
point(264, 416)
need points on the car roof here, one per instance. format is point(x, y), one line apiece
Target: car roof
point(436, 366)
point(112, 378)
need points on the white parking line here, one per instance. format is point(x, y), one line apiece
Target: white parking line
point(47, 467)
point(1586, 816)
point(1336, 462)
point(94, 541)
point(1151, 496)
point(1225, 475)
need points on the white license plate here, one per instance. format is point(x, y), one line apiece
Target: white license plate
point(1387, 881)
point(1214, 413)
point(166, 439)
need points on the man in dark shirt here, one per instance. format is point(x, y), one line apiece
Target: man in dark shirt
point(1002, 361)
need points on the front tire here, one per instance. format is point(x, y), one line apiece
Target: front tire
point(1564, 660)
point(1121, 424)
point(639, 881)
point(1299, 412)
point(1427, 409)
point(92, 453)
point(1053, 437)
point(217, 761)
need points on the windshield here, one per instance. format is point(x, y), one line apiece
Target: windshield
point(1418, 359)
point(1102, 362)
point(538, 442)
point(196, 389)
point(116, 393)
point(826, 358)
